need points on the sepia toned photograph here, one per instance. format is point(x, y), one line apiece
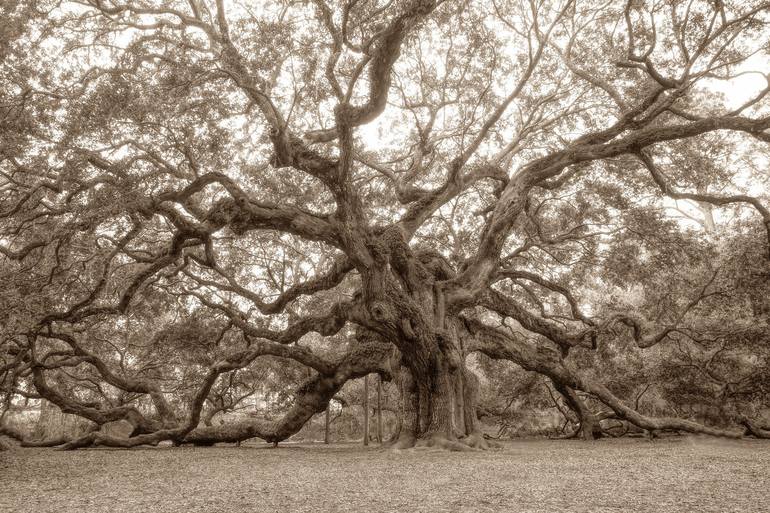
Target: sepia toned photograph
point(383, 256)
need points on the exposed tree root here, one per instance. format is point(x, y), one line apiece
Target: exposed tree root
point(441, 441)
point(473, 442)
point(476, 440)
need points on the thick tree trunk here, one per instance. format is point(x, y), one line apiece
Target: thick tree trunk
point(474, 436)
point(408, 422)
point(439, 410)
point(458, 407)
point(405, 306)
point(435, 395)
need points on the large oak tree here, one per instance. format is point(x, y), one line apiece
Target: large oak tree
point(369, 186)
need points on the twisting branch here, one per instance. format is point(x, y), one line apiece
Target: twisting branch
point(507, 307)
point(514, 274)
point(339, 270)
point(713, 199)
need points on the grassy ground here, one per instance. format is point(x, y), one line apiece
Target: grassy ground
point(681, 474)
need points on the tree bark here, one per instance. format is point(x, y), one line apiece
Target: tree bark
point(327, 421)
point(589, 428)
point(379, 409)
point(408, 422)
point(366, 410)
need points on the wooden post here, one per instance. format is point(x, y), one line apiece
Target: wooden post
point(379, 409)
point(366, 410)
point(326, 425)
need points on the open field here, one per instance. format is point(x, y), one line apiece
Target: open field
point(683, 474)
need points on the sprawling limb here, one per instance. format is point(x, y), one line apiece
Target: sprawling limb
point(711, 199)
point(499, 344)
point(311, 397)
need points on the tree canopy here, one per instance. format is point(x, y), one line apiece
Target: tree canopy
point(202, 195)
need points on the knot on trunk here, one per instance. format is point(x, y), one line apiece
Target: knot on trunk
point(382, 311)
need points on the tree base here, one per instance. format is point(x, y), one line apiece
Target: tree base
point(476, 440)
point(441, 441)
point(472, 442)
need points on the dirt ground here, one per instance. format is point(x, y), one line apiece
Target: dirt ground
point(682, 474)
